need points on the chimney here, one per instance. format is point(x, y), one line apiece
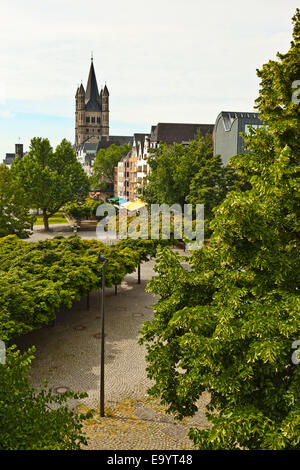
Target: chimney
point(19, 150)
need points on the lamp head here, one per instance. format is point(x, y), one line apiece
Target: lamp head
point(101, 259)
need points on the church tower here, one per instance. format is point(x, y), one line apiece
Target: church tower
point(91, 112)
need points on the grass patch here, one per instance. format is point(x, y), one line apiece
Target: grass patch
point(56, 218)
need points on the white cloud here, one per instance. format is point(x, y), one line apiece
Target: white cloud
point(5, 113)
point(2, 93)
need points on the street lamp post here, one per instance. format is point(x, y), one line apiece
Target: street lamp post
point(103, 260)
point(75, 228)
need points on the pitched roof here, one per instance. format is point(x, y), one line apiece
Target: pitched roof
point(9, 158)
point(140, 137)
point(92, 98)
point(121, 139)
point(90, 146)
point(228, 118)
point(239, 114)
point(169, 133)
point(105, 91)
point(115, 139)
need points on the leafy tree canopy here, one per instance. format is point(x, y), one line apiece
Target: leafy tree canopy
point(172, 169)
point(31, 419)
point(105, 162)
point(14, 208)
point(83, 209)
point(227, 326)
point(189, 174)
point(50, 179)
point(37, 279)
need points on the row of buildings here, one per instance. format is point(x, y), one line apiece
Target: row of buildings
point(92, 134)
point(133, 169)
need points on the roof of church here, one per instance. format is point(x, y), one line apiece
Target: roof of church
point(121, 139)
point(90, 146)
point(92, 98)
point(115, 139)
point(169, 133)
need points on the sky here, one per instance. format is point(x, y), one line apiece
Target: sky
point(162, 60)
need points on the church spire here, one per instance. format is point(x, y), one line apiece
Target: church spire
point(92, 98)
point(105, 91)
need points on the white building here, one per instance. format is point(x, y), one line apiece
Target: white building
point(86, 154)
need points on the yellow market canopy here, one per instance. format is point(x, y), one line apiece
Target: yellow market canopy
point(133, 206)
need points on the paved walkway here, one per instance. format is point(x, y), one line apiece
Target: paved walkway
point(58, 229)
point(68, 356)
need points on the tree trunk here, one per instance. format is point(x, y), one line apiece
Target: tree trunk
point(45, 218)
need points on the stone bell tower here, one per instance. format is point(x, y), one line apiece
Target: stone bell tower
point(91, 111)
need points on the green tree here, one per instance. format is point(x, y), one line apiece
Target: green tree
point(50, 179)
point(211, 184)
point(105, 162)
point(38, 279)
point(31, 419)
point(208, 186)
point(188, 174)
point(227, 326)
point(84, 209)
point(14, 210)
point(163, 185)
point(172, 169)
point(275, 101)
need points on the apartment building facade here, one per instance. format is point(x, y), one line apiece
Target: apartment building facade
point(133, 170)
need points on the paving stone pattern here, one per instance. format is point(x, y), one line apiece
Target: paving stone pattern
point(68, 357)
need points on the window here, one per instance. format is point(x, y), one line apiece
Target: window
point(87, 119)
point(98, 120)
point(254, 126)
point(93, 119)
point(227, 123)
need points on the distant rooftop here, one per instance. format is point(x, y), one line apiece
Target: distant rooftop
point(229, 117)
point(140, 137)
point(115, 139)
point(9, 158)
point(89, 147)
point(170, 133)
point(237, 114)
